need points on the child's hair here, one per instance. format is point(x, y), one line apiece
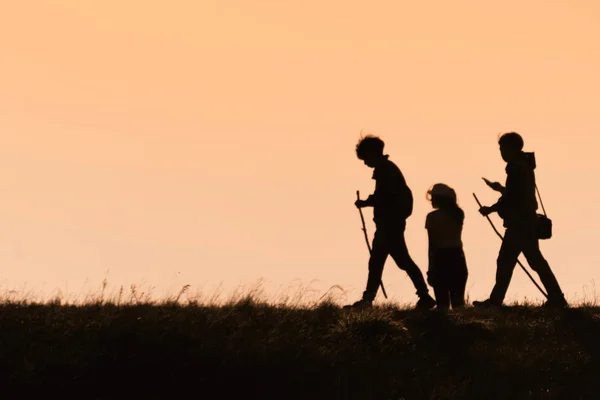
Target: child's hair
point(444, 197)
point(511, 139)
point(369, 144)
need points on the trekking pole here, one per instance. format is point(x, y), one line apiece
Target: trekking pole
point(519, 262)
point(364, 229)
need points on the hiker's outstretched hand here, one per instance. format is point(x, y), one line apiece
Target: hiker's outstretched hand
point(360, 203)
point(497, 186)
point(485, 210)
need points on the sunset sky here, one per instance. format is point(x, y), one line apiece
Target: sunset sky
point(211, 143)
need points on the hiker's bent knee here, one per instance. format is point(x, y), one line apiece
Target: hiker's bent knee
point(504, 262)
point(376, 262)
point(507, 258)
point(406, 264)
point(537, 262)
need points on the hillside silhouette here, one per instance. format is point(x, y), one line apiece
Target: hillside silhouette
point(248, 349)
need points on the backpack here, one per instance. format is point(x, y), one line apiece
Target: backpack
point(543, 224)
point(407, 202)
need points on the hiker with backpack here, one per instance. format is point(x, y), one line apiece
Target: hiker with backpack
point(447, 272)
point(392, 204)
point(518, 208)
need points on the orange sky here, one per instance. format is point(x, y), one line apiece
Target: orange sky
point(213, 141)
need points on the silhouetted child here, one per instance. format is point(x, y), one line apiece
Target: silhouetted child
point(392, 204)
point(447, 266)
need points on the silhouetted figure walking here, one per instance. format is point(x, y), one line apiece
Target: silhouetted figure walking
point(447, 265)
point(517, 207)
point(392, 204)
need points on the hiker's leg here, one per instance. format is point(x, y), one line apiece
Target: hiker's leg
point(399, 253)
point(538, 263)
point(507, 260)
point(438, 266)
point(442, 296)
point(457, 292)
point(458, 280)
point(379, 254)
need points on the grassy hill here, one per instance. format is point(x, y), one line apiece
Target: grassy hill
point(247, 350)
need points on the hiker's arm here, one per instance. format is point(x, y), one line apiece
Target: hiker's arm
point(491, 209)
point(509, 195)
point(487, 210)
point(497, 186)
point(370, 201)
point(503, 202)
point(388, 188)
point(431, 253)
point(431, 249)
point(383, 190)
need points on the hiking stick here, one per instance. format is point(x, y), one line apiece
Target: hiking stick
point(364, 229)
point(519, 262)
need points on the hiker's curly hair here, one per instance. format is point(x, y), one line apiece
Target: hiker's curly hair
point(369, 144)
point(511, 139)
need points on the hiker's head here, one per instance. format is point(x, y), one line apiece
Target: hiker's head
point(441, 195)
point(370, 150)
point(511, 145)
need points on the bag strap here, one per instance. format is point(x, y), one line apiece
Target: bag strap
point(541, 202)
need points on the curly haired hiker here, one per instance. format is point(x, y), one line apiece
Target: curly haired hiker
point(392, 204)
point(517, 207)
point(447, 265)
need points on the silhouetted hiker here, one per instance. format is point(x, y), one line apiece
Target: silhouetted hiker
point(392, 204)
point(447, 265)
point(517, 207)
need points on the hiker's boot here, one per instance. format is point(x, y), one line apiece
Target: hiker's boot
point(442, 310)
point(486, 304)
point(426, 302)
point(557, 302)
point(360, 305)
